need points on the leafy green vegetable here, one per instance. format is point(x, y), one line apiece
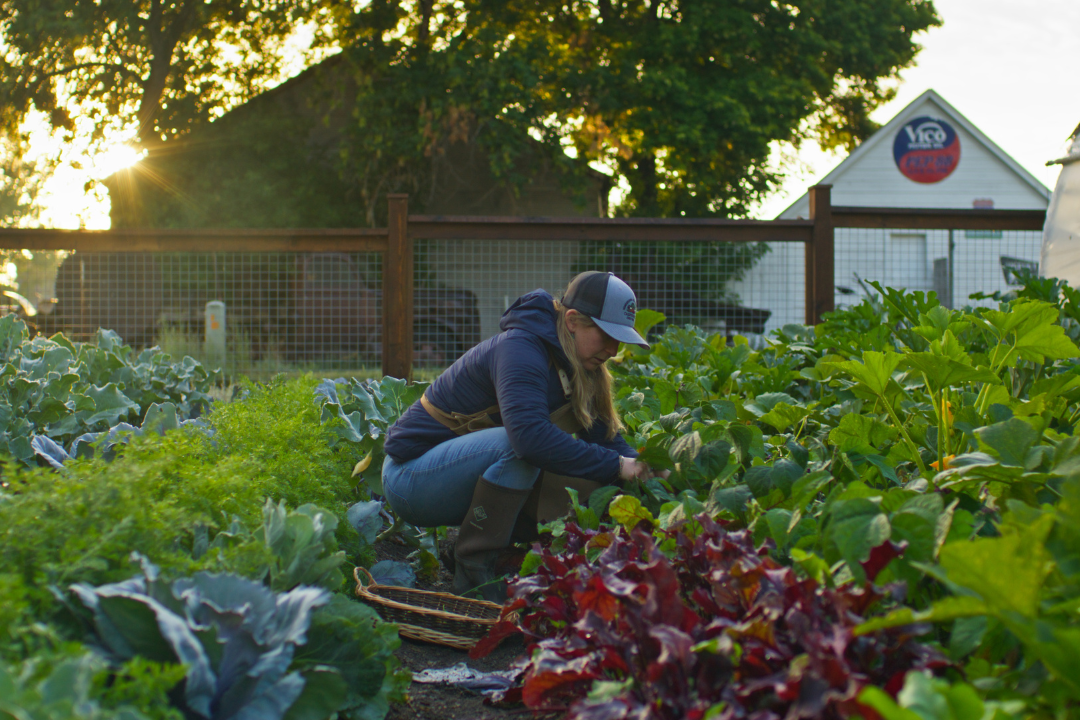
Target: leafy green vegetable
point(235, 637)
point(65, 688)
point(55, 393)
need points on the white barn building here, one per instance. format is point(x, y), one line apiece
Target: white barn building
point(928, 156)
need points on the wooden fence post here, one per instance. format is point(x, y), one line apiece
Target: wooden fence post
point(397, 293)
point(820, 256)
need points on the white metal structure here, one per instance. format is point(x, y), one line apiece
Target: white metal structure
point(982, 175)
point(1061, 235)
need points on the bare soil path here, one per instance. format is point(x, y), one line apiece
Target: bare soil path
point(443, 702)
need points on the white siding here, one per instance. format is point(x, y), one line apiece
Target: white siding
point(872, 179)
point(875, 255)
point(905, 258)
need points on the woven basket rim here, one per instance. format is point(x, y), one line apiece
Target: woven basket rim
point(362, 590)
point(419, 632)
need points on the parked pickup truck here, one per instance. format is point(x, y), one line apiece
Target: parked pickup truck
point(681, 305)
point(307, 307)
point(334, 309)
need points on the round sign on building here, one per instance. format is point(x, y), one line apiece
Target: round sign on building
point(926, 150)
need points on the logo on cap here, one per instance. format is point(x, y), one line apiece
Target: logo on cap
point(629, 309)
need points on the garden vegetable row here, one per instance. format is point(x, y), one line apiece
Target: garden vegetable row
point(876, 517)
point(196, 571)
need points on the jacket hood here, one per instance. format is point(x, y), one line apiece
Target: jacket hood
point(534, 313)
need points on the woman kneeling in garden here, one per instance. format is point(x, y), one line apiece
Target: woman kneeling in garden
point(536, 398)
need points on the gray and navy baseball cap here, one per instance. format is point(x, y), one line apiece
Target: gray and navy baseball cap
point(608, 301)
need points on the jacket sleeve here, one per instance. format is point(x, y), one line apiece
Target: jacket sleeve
point(597, 435)
point(521, 374)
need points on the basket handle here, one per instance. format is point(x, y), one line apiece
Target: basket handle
point(356, 574)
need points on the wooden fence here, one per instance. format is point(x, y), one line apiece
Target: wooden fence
point(396, 243)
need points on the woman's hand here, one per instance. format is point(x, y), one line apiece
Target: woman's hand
point(633, 470)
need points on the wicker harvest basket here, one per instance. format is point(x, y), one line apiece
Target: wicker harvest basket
point(433, 617)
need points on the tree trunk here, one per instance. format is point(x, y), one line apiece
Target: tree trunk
point(164, 33)
point(424, 32)
point(645, 187)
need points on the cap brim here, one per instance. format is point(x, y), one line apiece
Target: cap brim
point(622, 333)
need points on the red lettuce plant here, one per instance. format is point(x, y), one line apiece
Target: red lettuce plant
point(618, 629)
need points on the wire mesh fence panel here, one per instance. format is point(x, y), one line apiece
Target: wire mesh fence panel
point(323, 311)
point(776, 283)
point(689, 282)
point(955, 264)
point(989, 261)
point(283, 311)
point(895, 258)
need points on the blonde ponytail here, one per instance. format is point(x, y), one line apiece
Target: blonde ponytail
point(591, 395)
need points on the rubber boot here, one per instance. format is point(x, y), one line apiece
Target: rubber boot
point(525, 530)
point(484, 534)
point(547, 501)
point(554, 500)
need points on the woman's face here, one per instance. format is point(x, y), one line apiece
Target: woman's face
point(593, 345)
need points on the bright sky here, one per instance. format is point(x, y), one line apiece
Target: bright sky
point(1010, 67)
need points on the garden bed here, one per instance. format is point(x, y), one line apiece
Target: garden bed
point(874, 517)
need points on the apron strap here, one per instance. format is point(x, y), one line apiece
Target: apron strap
point(462, 424)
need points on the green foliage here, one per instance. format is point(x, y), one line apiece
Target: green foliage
point(681, 101)
point(360, 412)
point(173, 497)
point(239, 644)
point(203, 504)
point(144, 685)
point(349, 637)
point(939, 451)
point(21, 181)
point(55, 393)
point(62, 687)
point(899, 440)
point(289, 549)
point(926, 698)
point(277, 426)
point(139, 64)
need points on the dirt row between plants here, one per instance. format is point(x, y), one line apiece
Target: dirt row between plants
point(429, 701)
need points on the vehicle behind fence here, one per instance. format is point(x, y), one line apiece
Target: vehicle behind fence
point(421, 292)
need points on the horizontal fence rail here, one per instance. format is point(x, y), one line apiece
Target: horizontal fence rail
point(209, 240)
point(938, 219)
point(421, 291)
point(614, 229)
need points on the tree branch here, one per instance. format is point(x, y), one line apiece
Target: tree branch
point(164, 34)
point(605, 10)
point(82, 66)
point(425, 21)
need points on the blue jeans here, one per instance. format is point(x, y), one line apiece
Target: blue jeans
point(437, 487)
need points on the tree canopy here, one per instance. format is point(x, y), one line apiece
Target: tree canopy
point(681, 99)
point(157, 65)
point(20, 180)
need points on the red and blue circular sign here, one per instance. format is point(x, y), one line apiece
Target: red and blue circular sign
point(926, 150)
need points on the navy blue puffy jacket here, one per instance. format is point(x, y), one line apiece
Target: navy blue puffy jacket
point(514, 371)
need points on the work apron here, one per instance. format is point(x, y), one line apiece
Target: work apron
point(549, 498)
